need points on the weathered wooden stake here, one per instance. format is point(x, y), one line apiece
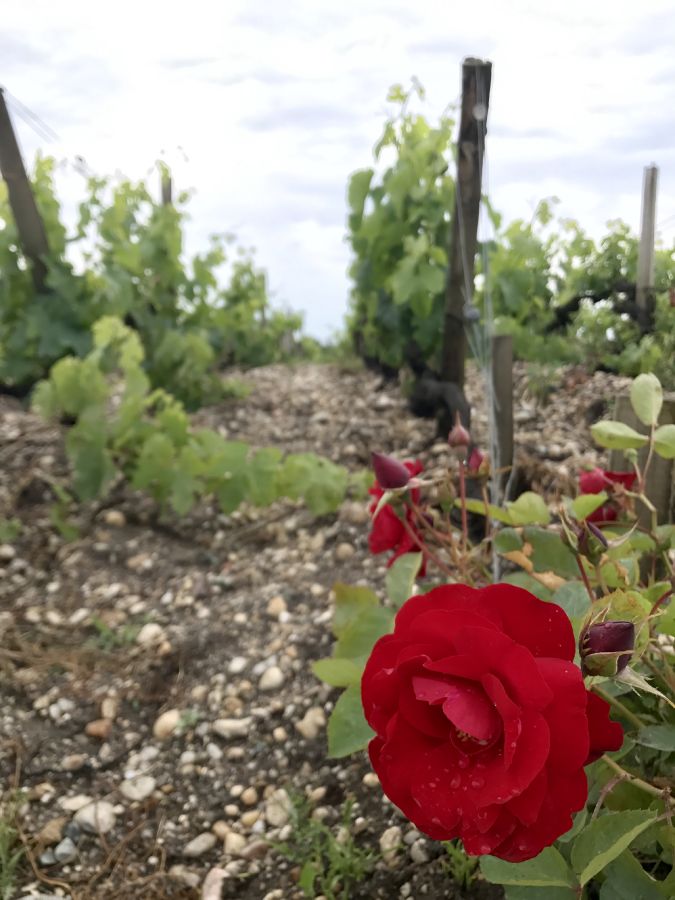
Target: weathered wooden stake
point(476, 77)
point(30, 226)
point(644, 296)
point(501, 375)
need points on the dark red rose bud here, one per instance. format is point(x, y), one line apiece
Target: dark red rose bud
point(592, 542)
point(603, 647)
point(459, 436)
point(475, 460)
point(390, 473)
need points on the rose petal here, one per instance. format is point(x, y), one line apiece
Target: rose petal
point(566, 715)
point(603, 734)
point(464, 704)
point(544, 628)
point(386, 532)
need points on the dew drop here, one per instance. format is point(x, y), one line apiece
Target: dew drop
point(484, 848)
point(477, 783)
point(454, 784)
point(463, 762)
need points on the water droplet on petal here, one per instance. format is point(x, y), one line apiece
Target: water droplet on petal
point(477, 783)
point(463, 762)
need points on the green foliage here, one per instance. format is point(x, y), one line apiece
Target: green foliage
point(11, 849)
point(399, 233)
point(462, 868)
point(331, 864)
point(123, 428)
point(10, 529)
point(401, 577)
point(109, 639)
point(133, 268)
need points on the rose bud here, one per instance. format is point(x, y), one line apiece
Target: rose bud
point(459, 439)
point(603, 647)
point(592, 542)
point(390, 473)
point(475, 461)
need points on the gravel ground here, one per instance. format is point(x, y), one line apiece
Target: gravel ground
point(157, 706)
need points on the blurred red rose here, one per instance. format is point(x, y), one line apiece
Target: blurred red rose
point(597, 480)
point(388, 531)
point(483, 723)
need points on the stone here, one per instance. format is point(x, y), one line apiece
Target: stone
point(370, 779)
point(255, 850)
point(166, 724)
point(200, 845)
point(7, 553)
point(141, 562)
point(185, 876)
point(237, 665)
point(151, 633)
point(220, 829)
point(115, 518)
point(99, 729)
point(271, 679)
point(276, 606)
point(344, 551)
point(390, 842)
point(249, 797)
point(73, 804)
point(278, 808)
point(418, 852)
point(109, 706)
point(232, 728)
point(65, 851)
point(311, 723)
point(96, 818)
point(73, 762)
point(234, 843)
point(139, 788)
point(52, 831)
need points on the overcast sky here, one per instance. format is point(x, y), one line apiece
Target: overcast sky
point(264, 108)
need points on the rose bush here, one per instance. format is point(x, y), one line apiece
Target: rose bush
point(483, 723)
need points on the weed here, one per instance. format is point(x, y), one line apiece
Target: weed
point(462, 868)
point(330, 863)
point(11, 851)
point(109, 639)
point(10, 529)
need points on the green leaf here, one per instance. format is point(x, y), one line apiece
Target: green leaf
point(507, 540)
point(646, 398)
point(525, 580)
point(513, 892)
point(337, 672)
point(308, 875)
point(573, 598)
point(348, 730)
point(579, 822)
point(350, 602)
point(625, 879)
point(549, 869)
point(585, 504)
point(359, 185)
point(617, 436)
point(606, 838)
point(401, 576)
point(359, 637)
point(529, 509)
point(495, 512)
point(660, 737)
point(639, 682)
point(664, 441)
point(549, 553)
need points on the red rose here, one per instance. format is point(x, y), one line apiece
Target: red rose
point(388, 531)
point(483, 724)
point(597, 480)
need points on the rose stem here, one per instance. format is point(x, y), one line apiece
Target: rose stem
point(623, 709)
point(462, 497)
point(584, 577)
point(425, 550)
point(638, 782)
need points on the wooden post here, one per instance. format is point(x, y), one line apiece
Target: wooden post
point(501, 375)
point(660, 486)
point(645, 266)
point(166, 187)
point(476, 77)
point(29, 224)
